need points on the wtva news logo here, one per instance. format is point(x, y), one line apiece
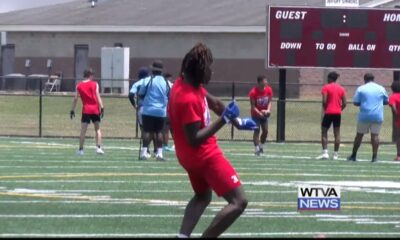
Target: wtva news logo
point(318, 198)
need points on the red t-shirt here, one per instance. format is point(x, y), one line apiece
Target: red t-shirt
point(394, 100)
point(334, 93)
point(261, 98)
point(188, 105)
point(87, 91)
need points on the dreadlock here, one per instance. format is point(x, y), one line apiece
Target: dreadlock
point(196, 63)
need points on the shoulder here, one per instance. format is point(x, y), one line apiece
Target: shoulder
point(252, 91)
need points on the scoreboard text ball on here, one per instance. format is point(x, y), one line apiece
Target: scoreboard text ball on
point(333, 37)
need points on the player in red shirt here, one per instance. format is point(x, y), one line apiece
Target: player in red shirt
point(261, 102)
point(333, 103)
point(92, 109)
point(196, 145)
point(394, 103)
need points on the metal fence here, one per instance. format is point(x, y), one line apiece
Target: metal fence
point(30, 112)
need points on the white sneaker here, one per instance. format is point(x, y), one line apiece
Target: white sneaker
point(160, 158)
point(99, 150)
point(79, 152)
point(323, 156)
point(335, 156)
point(145, 156)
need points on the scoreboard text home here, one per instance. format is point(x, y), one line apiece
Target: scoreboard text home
point(333, 37)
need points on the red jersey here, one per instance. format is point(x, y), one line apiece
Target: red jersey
point(261, 98)
point(394, 100)
point(188, 105)
point(334, 93)
point(87, 91)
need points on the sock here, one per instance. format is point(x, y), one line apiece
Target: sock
point(335, 153)
point(262, 145)
point(180, 235)
point(144, 151)
point(98, 146)
point(159, 152)
point(325, 151)
point(81, 148)
point(257, 148)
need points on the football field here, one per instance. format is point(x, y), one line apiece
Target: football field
point(46, 190)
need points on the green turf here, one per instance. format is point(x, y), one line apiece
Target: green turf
point(20, 117)
point(48, 191)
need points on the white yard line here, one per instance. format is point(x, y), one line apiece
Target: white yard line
point(244, 234)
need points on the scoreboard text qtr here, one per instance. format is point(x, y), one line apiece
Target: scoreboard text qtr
point(333, 37)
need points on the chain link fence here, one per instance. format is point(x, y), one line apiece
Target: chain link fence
point(30, 112)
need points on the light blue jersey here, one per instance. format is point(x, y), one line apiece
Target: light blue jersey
point(156, 99)
point(135, 89)
point(371, 97)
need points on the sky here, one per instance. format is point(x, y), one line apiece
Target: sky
point(12, 5)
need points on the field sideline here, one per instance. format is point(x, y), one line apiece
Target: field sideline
point(48, 191)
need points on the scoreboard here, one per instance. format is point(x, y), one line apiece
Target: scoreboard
point(333, 37)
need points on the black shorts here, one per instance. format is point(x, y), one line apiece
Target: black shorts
point(331, 118)
point(86, 118)
point(153, 124)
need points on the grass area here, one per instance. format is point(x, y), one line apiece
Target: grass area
point(48, 191)
point(20, 117)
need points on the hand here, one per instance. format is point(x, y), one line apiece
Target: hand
point(266, 113)
point(101, 112)
point(231, 112)
point(246, 124)
point(72, 114)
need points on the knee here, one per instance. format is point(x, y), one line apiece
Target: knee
point(205, 197)
point(240, 204)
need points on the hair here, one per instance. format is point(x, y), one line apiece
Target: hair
point(368, 77)
point(88, 72)
point(143, 73)
point(333, 76)
point(196, 63)
point(395, 86)
point(260, 78)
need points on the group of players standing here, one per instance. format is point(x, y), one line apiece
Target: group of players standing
point(187, 104)
point(370, 98)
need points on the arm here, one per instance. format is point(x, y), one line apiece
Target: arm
point(98, 97)
point(394, 109)
point(75, 100)
point(216, 105)
point(131, 97)
point(344, 102)
point(253, 107)
point(324, 100)
point(196, 136)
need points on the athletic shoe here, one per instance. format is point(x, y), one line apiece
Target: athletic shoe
point(168, 149)
point(99, 151)
point(257, 153)
point(79, 152)
point(145, 156)
point(261, 150)
point(323, 156)
point(352, 158)
point(374, 159)
point(160, 158)
point(335, 156)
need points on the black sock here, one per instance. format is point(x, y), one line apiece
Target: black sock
point(81, 148)
point(98, 146)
